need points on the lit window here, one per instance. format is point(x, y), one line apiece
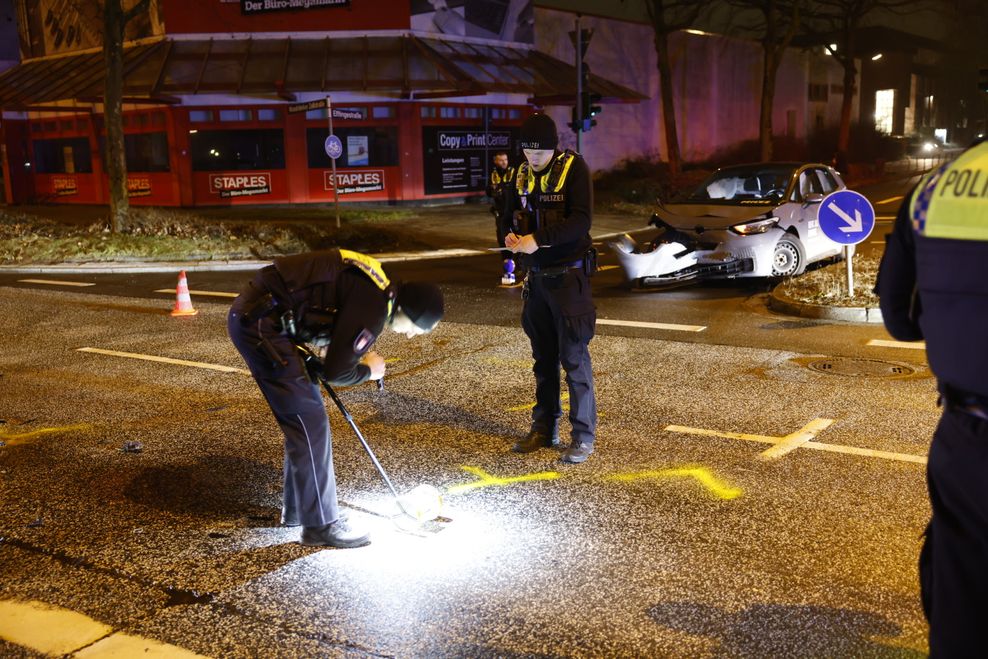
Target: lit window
point(267, 114)
point(200, 115)
point(884, 110)
point(383, 112)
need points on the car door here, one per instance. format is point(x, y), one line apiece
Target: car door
point(810, 181)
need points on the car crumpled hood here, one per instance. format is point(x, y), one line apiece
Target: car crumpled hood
point(710, 216)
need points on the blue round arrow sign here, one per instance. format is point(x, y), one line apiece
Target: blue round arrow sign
point(334, 147)
point(846, 217)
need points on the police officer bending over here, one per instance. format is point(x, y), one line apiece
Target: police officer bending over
point(549, 209)
point(933, 284)
point(338, 302)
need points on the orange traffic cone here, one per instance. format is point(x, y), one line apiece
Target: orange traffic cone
point(183, 302)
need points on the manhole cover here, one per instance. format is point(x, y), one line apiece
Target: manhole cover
point(863, 368)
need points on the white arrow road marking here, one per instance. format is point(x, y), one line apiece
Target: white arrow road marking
point(855, 223)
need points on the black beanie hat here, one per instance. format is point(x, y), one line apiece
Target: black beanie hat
point(539, 132)
point(422, 303)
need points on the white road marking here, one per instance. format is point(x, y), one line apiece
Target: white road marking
point(889, 200)
point(53, 630)
point(433, 254)
point(794, 440)
point(200, 293)
point(53, 282)
point(47, 629)
point(165, 360)
point(793, 444)
point(660, 326)
point(911, 345)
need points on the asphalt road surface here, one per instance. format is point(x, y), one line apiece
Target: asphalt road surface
point(757, 490)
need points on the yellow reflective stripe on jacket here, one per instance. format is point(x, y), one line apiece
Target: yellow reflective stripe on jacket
point(369, 266)
point(952, 202)
point(525, 181)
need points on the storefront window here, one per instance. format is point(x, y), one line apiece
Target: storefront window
point(267, 114)
point(383, 112)
point(65, 156)
point(237, 150)
point(471, 113)
point(235, 115)
point(362, 146)
point(147, 152)
point(200, 115)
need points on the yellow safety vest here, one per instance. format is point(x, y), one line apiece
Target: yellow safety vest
point(952, 201)
point(553, 181)
point(497, 179)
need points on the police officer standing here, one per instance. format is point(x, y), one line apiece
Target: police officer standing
point(501, 179)
point(933, 285)
point(338, 302)
point(549, 210)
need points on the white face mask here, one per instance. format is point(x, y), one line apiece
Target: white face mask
point(538, 158)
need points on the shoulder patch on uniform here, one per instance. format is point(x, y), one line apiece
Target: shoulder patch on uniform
point(364, 340)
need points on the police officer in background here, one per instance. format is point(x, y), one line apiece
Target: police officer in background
point(933, 284)
point(338, 302)
point(501, 179)
point(549, 209)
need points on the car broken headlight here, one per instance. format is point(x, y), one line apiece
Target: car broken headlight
point(756, 226)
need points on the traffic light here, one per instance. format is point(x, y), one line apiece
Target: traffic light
point(590, 109)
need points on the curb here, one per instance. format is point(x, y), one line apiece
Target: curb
point(783, 304)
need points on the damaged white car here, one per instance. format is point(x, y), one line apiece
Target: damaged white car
point(744, 221)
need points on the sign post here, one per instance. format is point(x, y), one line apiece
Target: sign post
point(847, 217)
point(334, 149)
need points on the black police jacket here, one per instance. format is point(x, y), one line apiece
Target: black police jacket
point(937, 289)
point(336, 302)
point(566, 239)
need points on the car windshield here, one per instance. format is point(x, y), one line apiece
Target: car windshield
point(751, 183)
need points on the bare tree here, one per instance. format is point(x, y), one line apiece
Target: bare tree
point(776, 23)
point(840, 20)
point(115, 20)
point(666, 17)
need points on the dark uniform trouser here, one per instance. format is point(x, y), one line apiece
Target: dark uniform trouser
point(954, 560)
point(298, 407)
point(559, 319)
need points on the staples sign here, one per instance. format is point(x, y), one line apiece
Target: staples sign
point(354, 181)
point(239, 185)
point(64, 186)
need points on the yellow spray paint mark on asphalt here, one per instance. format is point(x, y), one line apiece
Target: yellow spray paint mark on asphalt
point(486, 480)
point(25, 437)
point(53, 630)
point(714, 485)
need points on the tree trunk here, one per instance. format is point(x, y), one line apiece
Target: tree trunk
point(850, 77)
point(668, 110)
point(116, 160)
point(770, 66)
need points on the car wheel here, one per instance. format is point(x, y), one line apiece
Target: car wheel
point(788, 259)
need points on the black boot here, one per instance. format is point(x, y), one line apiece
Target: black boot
point(535, 440)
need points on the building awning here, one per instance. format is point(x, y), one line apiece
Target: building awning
point(405, 66)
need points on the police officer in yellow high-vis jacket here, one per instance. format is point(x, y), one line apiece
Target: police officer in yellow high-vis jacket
point(501, 179)
point(338, 302)
point(550, 208)
point(933, 285)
